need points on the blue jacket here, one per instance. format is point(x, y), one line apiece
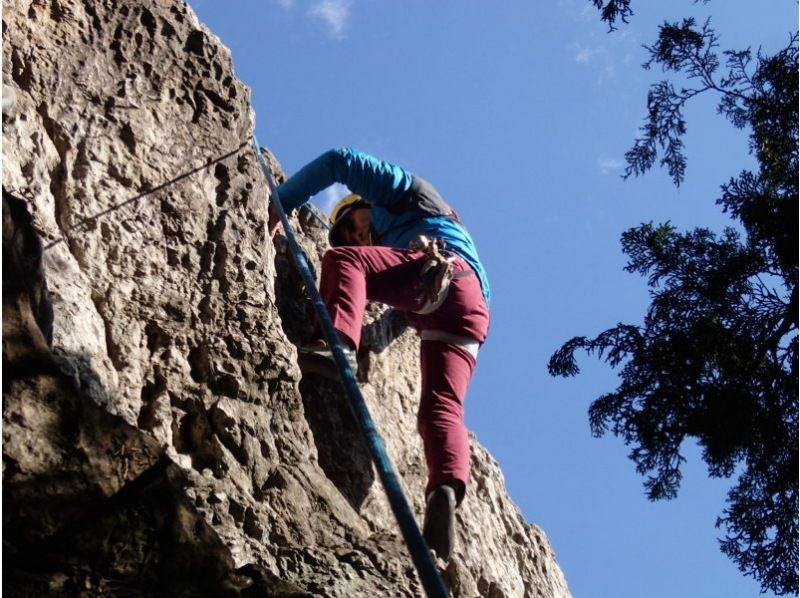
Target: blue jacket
point(392, 192)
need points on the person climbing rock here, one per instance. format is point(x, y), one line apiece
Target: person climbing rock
point(396, 241)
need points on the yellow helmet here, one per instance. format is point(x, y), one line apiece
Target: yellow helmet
point(340, 210)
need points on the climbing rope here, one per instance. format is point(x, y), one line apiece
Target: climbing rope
point(315, 213)
point(421, 557)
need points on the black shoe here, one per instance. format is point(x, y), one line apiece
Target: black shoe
point(439, 530)
point(319, 360)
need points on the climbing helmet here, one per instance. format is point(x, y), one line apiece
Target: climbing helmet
point(338, 214)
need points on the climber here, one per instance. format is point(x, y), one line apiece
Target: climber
point(396, 241)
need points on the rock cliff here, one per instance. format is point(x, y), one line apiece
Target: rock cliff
point(158, 438)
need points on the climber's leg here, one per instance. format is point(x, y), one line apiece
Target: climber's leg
point(446, 372)
point(352, 275)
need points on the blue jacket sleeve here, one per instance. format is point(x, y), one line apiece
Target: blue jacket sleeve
point(376, 181)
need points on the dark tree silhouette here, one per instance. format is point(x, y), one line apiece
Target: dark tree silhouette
point(612, 10)
point(715, 358)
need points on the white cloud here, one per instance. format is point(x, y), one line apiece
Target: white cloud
point(286, 4)
point(334, 13)
point(609, 165)
point(599, 57)
point(585, 55)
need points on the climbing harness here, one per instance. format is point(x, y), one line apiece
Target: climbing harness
point(470, 344)
point(436, 273)
point(426, 569)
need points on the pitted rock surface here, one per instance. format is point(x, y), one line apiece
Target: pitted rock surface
point(158, 438)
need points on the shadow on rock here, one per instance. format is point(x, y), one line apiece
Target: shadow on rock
point(341, 448)
point(91, 505)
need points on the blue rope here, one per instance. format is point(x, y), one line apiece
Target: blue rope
point(313, 211)
point(428, 575)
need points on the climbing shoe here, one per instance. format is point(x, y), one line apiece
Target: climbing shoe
point(439, 529)
point(318, 359)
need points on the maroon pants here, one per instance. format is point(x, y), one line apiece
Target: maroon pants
point(351, 276)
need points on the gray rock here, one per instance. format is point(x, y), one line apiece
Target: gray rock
point(157, 436)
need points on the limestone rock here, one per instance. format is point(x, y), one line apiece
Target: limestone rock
point(158, 438)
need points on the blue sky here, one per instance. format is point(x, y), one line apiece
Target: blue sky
point(520, 112)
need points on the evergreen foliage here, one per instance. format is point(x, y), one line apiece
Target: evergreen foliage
point(715, 358)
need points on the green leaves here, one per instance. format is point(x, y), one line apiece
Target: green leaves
point(715, 357)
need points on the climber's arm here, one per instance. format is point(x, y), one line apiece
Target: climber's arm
point(375, 180)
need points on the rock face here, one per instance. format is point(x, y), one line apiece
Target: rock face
point(158, 438)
